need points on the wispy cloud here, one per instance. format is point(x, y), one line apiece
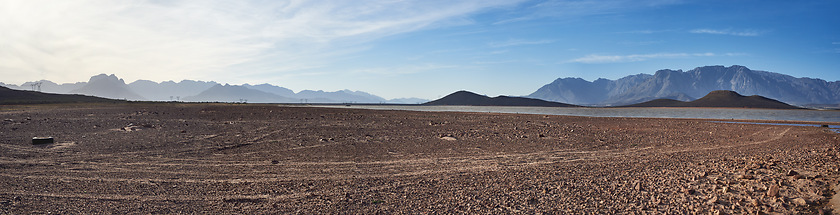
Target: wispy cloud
point(578, 8)
point(162, 40)
point(645, 31)
point(519, 42)
point(593, 59)
point(641, 43)
point(406, 69)
point(743, 33)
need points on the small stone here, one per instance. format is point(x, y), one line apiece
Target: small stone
point(712, 201)
point(448, 138)
point(773, 191)
point(744, 176)
point(792, 173)
point(533, 201)
point(800, 201)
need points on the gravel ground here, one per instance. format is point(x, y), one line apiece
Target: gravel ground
point(257, 159)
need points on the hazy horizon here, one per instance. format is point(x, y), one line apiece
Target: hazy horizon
point(399, 49)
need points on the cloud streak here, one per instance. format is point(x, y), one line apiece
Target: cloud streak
point(519, 42)
point(579, 8)
point(596, 59)
point(743, 33)
point(163, 40)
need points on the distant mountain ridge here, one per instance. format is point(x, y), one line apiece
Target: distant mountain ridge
point(234, 93)
point(720, 98)
point(109, 86)
point(685, 86)
point(466, 98)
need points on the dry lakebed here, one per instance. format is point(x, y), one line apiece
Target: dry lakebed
point(272, 159)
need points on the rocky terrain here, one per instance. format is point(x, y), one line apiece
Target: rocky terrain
point(257, 159)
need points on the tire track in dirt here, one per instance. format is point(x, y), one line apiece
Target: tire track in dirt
point(773, 137)
point(410, 167)
point(122, 197)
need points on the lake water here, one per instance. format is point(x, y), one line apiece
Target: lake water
point(698, 113)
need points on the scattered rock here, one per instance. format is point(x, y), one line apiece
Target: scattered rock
point(773, 191)
point(792, 173)
point(800, 201)
point(448, 138)
point(712, 200)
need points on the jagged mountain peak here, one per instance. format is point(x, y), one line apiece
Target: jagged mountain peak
point(693, 83)
point(108, 86)
point(106, 78)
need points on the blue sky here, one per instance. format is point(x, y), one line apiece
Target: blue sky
point(423, 48)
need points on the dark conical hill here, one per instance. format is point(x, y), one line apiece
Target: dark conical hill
point(720, 98)
point(467, 98)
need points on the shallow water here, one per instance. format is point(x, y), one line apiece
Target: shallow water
point(698, 113)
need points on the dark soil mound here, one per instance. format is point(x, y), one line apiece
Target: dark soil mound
point(10, 96)
point(472, 99)
point(720, 98)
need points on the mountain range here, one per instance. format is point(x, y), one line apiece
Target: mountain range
point(715, 99)
point(664, 84)
point(110, 86)
point(687, 85)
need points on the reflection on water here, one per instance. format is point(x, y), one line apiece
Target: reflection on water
point(699, 113)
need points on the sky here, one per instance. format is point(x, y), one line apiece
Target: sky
point(404, 48)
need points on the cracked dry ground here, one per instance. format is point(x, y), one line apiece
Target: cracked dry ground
point(194, 158)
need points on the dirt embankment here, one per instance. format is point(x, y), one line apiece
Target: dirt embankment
point(166, 158)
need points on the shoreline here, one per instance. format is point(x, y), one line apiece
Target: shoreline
point(498, 109)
